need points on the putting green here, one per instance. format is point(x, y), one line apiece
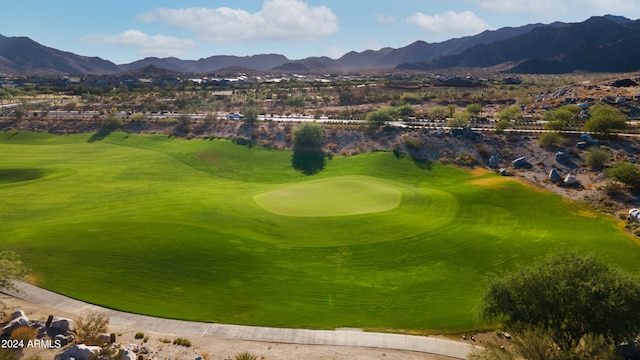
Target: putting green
point(340, 196)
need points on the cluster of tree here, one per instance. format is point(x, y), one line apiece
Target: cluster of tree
point(602, 118)
point(566, 306)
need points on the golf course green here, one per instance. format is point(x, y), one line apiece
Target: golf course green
point(331, 197)
point(208, 230)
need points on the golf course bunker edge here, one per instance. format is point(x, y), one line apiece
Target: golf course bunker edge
point(338, 196)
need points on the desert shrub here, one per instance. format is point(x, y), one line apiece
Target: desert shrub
point(165, 341)
point(502, 125)
point(413, 143)
point(596, 158)
point(626, 173)
point(490, 352)
point(465, 159)
point(24, 333)
point(482, 151)
point(246, 356)
point(551, 140)
point(184, 123)
point(137, 117)
point(88, 327)
point(111, 122)
point(182, 342)
point(139, 335)
point(33, 357)
point(613, 189)
point(8, 354)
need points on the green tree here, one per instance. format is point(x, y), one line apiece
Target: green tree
point(296, 101)
point(438, 113)
point(308, 155)
point(452, 109)
point(308, 135)
point(502, 125)
point(561, 118)
point(11, 268)
point(474, 110)
point(626, 173)
point(184, 123)
point(250, 115)
point(459, 119)
point(379, 118)
point(596, 158)
point(510, 113)
point(572, 296)
point(404, 111)
point(605, 119)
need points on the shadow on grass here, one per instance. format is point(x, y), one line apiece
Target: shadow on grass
point(424, 164)
point(308, 161)
point(20, 175)
point(100, 135)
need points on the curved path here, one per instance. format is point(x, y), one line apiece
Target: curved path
point(423, 344)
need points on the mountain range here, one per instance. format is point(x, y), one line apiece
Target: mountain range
point(599, 44)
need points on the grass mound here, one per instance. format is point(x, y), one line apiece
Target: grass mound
point(341, 196)
point(175, 228)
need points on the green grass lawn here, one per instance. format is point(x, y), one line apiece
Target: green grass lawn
point(212, 231)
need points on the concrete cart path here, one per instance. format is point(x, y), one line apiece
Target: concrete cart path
point(423, 344)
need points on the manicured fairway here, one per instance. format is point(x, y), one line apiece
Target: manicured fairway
point(213, 231)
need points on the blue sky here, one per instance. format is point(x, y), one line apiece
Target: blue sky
point(125, 31)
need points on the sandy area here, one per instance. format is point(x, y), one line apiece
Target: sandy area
point(211, 348)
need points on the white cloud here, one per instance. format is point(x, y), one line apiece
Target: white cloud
point(157, 45)
point(556, 8)
point(449, 23)
point(277, 20)
point(385, 19)
point(547, 8)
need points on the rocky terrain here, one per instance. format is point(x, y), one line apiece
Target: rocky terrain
point(130, 343)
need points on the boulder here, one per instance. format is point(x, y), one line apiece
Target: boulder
point(494, 161)
point(18, 313)
point(520, 162)
point(103, 338)
point(63, 325)
point(456, 132)
point(79, 352)
point(15, 323)
point(624, 83)
point(128, 355)
point(63, 340)
point(554, 176)
point(570, 179)
point(562, 157)
point(586, 138)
